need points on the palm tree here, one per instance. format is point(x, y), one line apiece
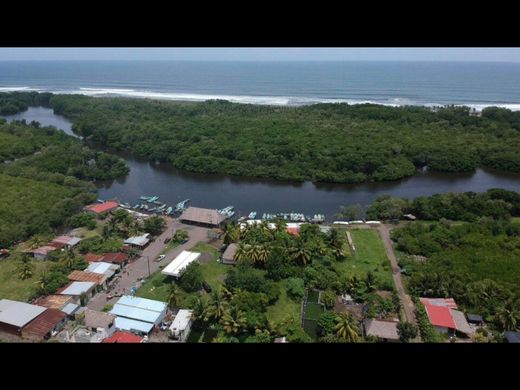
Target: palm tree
point(370, 281)
point(43, 280)
point(300, 252)
point(36, 241)
point(68, 261)
point(25, 270)
point(280, 225)
point(508, 316)
point(233, 320)
point(335, 239)
point(346, 328)
point(262, 254)
point(106, 232)
point(173, 294)
point(243, 252)
point(199, 309)
point(217, 305)
point(230, 233)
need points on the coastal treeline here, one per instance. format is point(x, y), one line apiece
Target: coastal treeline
point(321, 142)
point(14, 102)
point(45, 178)
point(495, 203)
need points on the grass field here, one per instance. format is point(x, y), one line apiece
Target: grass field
point(12, 287)
point(370, 255)
point(284, 308)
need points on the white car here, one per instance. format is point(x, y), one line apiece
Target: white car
point(160, 257)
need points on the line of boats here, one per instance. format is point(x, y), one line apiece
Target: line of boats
point(152, 205)
point(228, 211)
point(295, 217)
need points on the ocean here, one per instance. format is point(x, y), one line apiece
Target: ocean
point(277, 83)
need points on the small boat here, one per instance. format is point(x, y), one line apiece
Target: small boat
point(125, 205)
point(141, 207)
point(136, 206)
point(153, 199)
point(169, 210)
point(252, 215)
point(162, 207)
point(100, 201)
point(144, 197)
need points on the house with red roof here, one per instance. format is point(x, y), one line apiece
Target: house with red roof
point(444, 316)
point(92, 258)
point(99, 208)
point(123, 337)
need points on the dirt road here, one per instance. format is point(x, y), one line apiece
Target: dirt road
point(139, 268)
point(406, 301)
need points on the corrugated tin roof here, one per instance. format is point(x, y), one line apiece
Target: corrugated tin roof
point(444, 302)
point(70, 308)
point(178, 264)
point(115, 257)
point(82, 276)
point(18, 313)
point(200, 215)
point(138, 240)
point(440, 316)
point(45, 322)
point(133, 325)
point(142, 303)
point(54, 301)
point(123, 337)
point(43, 250)
point(91, 257)
point(135, 313)
point(461, 324)
point(66, 240)
point(102, 268)
point(77, 288)
point(102, 207)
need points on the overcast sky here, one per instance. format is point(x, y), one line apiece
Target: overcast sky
point(265, 54)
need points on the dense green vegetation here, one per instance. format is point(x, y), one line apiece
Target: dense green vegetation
point(14, 102)
point(28, 207)
point(43, 176)
point(322, 142)
point(466, 206)
point(475, 263)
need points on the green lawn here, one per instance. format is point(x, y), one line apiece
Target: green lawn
point(313, 311)
point(12, 287)
point(171, 245)
point(370, 255)
point(284, 308)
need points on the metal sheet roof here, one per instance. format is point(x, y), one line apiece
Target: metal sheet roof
point(70, 308)
point(136, 313)
point(178, 264)
point(102, 268)
point(77, 288)
point(133, 325)
point(18, 313)
point(142, 303)
point(138, 240)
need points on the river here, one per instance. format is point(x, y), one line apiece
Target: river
point(247, 194)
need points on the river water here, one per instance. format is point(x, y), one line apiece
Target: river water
point(247, 194)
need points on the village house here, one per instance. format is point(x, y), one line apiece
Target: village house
point(81, 292)
point(138, 315)
point(228, 257)
point(444, 316)
point(123, 337)
point(42, 252)
point(384, 331)
point(178, 264)
point(138, 241)
point(45, 325)
point(83, 276)
point(14, 315)
point(100, 208)
point(65, 241)
point(102, 323)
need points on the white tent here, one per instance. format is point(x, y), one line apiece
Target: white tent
point(178, 264)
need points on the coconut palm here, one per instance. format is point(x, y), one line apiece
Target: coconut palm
point(300, 252)
point(280, 226)
point(173, 295)
point(233, 320)
point(370, 281)
point(43, 280)
point(68, 261)
point(217, 305)
point(199, 309)
point(36, 241)
point(508, 316)
point(230, 233)
point(25, 270)
point(262, 254)
point(346, 328)
point(243, 252)
point(106, 232)
point(335, 239)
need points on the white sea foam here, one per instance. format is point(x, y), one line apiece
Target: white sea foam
point(248, 99)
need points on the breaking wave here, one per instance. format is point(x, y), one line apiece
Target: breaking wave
point(249, 99)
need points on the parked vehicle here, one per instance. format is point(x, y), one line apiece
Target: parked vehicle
point(160, 258)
